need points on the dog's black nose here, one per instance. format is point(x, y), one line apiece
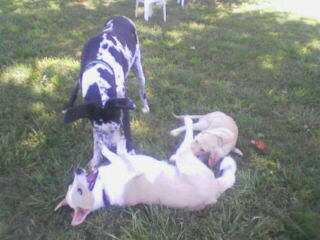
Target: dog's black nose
point(79, 171)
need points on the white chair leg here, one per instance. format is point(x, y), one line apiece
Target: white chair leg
point(146, 11)
point(136, 10)
point(150, 10)
point(180, 2)
point(164, 12)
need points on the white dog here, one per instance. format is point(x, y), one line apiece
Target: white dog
point(217, 138)
point(134, 179)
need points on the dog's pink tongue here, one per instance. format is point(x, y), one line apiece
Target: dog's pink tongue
point(79, 216)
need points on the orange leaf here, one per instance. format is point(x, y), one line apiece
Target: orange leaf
point(260, 144)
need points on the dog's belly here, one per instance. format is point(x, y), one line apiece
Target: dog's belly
point(169, 189)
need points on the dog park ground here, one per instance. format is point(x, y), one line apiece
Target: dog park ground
point(258, 61)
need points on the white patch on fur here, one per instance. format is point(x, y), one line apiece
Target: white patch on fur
point(92, 76)
point(108, 26)
point(106, 56)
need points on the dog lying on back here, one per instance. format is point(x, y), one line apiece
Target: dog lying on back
point(217, 138)
point(133, 179)
point(105, 62)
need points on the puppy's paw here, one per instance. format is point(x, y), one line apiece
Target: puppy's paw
point(187, 120)
point(173, 158)
point(174, 132)
point(145, 109)
point(237, 151)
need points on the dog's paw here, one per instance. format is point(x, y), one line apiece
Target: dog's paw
point(174, 132)
point(187, 120)
point(145, 109)
point(237, 151)
point(173, 158)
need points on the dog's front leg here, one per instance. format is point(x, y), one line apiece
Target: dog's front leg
point(97, 155)
point(138, 71)
point(186, 144)
point(187, 163)
point(198, 126)
point(127, 130)
point(177, 131)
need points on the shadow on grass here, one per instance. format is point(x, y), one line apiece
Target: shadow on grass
point(262, 68)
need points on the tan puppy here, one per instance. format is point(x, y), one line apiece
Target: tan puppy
point(217, 138)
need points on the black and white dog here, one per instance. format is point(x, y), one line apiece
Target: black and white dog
point(105, 62)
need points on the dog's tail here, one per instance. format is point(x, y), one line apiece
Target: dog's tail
point(237, 151)
point(183, 116)
point(227, 174)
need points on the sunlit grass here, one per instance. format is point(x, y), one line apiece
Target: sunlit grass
point(140, 127)
point(18, 74)
point(33, 139)
point(296, 8)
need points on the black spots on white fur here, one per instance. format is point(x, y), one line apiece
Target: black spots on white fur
point(105, 46)
point(90, 52)
point(124, 30)
point(120, 58)
point(93, 95)
point(108, 77)
point(111, 38)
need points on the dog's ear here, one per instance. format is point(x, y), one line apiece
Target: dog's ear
point(82, 111)
point(119, 103)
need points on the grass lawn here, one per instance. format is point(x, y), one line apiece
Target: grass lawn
point(252, 61)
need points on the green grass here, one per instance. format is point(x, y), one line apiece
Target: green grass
point(259, 65)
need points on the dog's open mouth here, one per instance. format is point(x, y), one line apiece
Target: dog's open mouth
point(79, 215)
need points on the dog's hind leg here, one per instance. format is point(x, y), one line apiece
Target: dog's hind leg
point(138, 71)
point(198, 126)
point(228, 168)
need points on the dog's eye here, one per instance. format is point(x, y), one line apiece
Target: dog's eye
point(79, 190)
